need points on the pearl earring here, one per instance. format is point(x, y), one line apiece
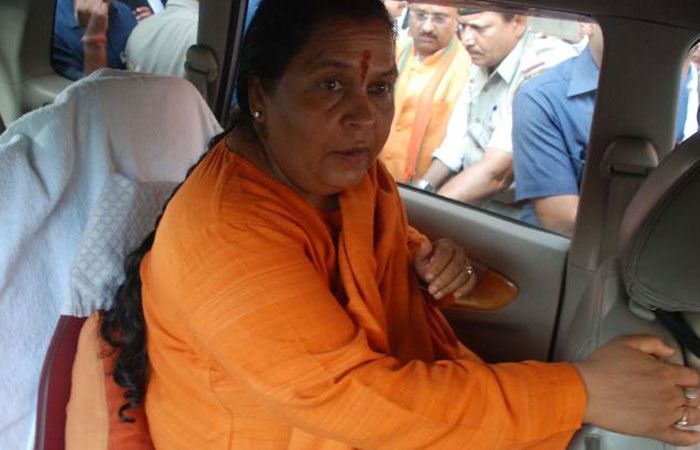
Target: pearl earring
point(257, 114)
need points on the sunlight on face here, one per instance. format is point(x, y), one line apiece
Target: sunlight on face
point(330, 114)
point(431, 27)
point(489, 38)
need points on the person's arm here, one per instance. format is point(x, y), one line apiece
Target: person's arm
point(480, 181)
point(543, 166)
point(437, 173)
point(557, 213)
point(268, 318)
point(93, 17)
point(448, 158)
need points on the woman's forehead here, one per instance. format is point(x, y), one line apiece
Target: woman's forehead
point(344, 38)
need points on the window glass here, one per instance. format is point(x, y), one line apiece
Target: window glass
point(689, 96)
point(493, 109)
point(484, 111)
point(141, 35)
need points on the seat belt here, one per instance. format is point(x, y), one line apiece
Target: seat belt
point(679, 328)
point(626, 163)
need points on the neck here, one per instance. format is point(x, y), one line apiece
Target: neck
point(257, 152)
point(422, 57)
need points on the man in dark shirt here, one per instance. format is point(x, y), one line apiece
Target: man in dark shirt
point(69, 50)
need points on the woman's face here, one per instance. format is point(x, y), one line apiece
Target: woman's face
point(328, 117)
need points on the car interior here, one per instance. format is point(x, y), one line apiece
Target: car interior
point(632, 265)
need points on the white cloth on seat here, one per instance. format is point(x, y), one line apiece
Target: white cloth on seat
point(54, 163)
point(120, 219)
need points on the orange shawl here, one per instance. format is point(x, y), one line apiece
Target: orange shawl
point(262, 336)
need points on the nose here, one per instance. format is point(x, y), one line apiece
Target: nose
point(428, 25)
point(467, 36)
point(360, 111)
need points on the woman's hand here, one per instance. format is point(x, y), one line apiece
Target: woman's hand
point(445, 268)
point(632, 391)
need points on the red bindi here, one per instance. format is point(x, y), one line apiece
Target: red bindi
point(364, 65)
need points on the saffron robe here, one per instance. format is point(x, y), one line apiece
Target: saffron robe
point(414, 77)
point(273, 325)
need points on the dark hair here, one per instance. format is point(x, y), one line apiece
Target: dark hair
point(279, 30)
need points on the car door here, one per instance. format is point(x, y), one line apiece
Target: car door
point(534, 259)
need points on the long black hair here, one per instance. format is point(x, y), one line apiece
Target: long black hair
point(279, 30)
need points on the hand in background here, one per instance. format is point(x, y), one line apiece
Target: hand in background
point(93, 17)
point(142, 12)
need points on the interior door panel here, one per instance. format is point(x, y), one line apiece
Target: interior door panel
point(534, 259)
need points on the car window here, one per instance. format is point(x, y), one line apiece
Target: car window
point(475, 119)
point(689, 97)
point(494, 109)
point(140, 35)
point(513, 138)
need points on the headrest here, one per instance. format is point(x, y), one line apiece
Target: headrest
point(660, 234)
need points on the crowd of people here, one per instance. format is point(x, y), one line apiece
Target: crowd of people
point(504, 124)
point(141, 35)
point(474, 120)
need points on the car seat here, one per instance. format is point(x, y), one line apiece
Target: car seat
point(653, 284)
point(55, 164)
point(123, 215)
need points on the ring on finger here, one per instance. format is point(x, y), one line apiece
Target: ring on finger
point(683, 421)
point(690, 393)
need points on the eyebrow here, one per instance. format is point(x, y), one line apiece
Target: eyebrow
point(334, 63)
point(473, 23)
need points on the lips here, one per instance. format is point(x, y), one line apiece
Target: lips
point(355, 155)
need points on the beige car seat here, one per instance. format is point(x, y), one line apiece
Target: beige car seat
point(55, 164)
point(653, 285)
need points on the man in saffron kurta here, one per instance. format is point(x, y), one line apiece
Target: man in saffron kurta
point(274, 325)
point(433, 70)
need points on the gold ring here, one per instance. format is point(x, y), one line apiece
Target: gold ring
point(470, 270)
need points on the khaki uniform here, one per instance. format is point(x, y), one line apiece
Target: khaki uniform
point(482, 116)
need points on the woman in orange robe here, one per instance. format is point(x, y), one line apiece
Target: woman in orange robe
point(281, 292)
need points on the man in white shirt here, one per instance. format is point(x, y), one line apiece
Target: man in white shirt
point(474, 161)
point(159, 43)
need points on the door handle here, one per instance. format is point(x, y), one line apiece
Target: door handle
point(493, 291)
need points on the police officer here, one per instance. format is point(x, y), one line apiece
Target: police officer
point(474, 160)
